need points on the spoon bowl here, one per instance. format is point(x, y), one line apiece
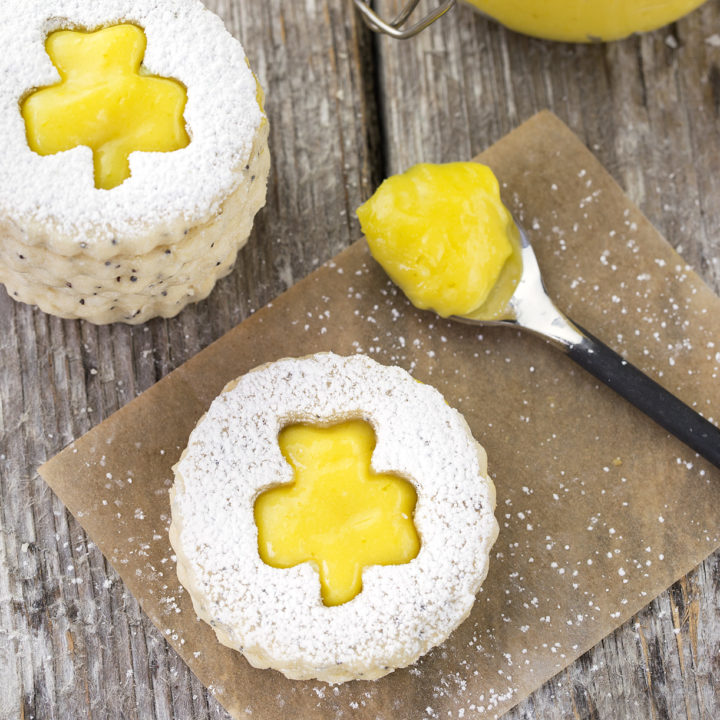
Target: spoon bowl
point(530, 306)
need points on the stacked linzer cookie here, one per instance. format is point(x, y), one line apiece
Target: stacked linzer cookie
point(135, 156)
point(301, 549)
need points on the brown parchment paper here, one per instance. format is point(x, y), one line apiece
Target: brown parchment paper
point(599, 509)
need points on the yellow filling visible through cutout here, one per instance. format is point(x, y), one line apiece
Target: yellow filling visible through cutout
point(105, 101)
point(444, 236)
point(337, 514)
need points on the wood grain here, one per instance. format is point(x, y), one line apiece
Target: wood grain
point(649, 108)
point(346, 109)
point(73, 642)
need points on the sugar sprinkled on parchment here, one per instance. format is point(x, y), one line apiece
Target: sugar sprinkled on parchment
point(520, 550)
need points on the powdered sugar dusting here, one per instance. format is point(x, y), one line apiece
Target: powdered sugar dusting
point(185, 41)
point(276, 616)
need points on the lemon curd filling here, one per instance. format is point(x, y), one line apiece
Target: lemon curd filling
point(444, 236)
point(337, 514)
point(585, 20)
point(106, 101)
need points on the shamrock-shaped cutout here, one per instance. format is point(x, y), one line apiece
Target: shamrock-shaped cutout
point(337, 514)
point(105, 100)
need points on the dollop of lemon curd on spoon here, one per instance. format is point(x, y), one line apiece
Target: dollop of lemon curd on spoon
point(584, 20)
point(443, 235)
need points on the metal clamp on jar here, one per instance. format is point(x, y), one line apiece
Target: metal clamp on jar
point(400, 28)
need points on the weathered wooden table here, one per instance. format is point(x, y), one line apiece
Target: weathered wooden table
point(347, 109)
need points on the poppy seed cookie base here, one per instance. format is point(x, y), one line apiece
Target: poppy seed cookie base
point(178, 270)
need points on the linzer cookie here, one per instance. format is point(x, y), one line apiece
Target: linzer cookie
point(332, 517)
point(135, 155)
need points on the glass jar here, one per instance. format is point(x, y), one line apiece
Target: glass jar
point(565, 20)
point(584, 20)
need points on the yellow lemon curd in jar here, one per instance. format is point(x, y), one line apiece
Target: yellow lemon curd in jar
point(443, 235)
point(106, 101)
point(337, 514)
point(584, 20)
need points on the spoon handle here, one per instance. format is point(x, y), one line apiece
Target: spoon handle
point(646, 395)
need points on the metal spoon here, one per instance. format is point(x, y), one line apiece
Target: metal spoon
point(531, 308)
